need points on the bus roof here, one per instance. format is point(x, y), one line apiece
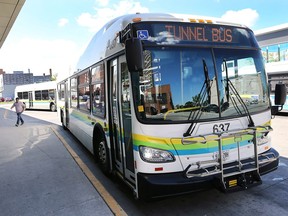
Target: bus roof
point(36, 86)
point(107, 37)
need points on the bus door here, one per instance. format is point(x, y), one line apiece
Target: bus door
point(121, 118)
point(30, 98)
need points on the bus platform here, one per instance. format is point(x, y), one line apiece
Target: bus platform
point(37, 174)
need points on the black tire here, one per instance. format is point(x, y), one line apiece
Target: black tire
point(103, 156)
point(53, 107)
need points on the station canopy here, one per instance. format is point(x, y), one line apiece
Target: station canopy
point(9, 10)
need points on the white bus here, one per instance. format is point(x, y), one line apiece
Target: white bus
point(172, 104)
point(38, 95)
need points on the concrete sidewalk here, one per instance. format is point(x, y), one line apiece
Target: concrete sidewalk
point(37, 174)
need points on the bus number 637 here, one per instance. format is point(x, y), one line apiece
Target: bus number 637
point(218, 128)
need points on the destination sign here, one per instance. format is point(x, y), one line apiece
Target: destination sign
point(213, 34)
point(186, 33)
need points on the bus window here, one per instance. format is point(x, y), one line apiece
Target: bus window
point(51, 94)
point(98, 100)
point(37, 95)
point(62, 92)
point(74, 92)
point(98, 73)
point(98, 90)
point(25, 95)
point(45, 95)
point(84, 98)
point(20, 95)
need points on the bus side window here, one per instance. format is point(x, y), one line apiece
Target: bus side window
point(98, 103)
point(98, 90)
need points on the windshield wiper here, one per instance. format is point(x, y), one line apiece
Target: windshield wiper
point(230, 86)
point(204, 95)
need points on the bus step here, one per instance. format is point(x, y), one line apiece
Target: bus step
point(241, 181)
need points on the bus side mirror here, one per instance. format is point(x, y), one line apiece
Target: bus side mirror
point(280, 94)
point(280, 98)
point(134, 54)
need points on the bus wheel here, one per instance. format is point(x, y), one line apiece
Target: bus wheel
point(103, 156)
point(53, 107)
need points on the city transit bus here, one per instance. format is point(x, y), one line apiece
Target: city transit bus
point(172, 104)
point(38, 95)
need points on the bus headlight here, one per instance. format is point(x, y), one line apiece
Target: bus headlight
point(155, 155)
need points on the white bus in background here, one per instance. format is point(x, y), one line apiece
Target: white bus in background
point(38, 95)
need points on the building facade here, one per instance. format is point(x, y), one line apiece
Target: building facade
point(8, 82)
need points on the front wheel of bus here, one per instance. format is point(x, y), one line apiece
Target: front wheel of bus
point(103, 156)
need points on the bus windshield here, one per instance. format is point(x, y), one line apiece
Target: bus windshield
point(184, 84)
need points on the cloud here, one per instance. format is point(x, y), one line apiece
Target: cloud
point(40, 55)
point(62, 22)
point(104, 14)
point(246, 16)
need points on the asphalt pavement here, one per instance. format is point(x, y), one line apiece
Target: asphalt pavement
point(38, 176)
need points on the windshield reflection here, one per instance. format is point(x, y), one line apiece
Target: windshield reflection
point(191, 84)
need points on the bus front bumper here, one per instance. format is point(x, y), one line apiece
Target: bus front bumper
point(170, 184)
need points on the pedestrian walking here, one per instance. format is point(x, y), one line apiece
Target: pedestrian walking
point(19, 107)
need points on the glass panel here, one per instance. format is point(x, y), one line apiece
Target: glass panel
point(173, 85)
point(98, 100)
point(246, 74)
point(181, 84)
point(74, 92)
point(20, 95)
point(126, 116)
point(62, 92)
point(264, 53)
point(84, 98)
point(37, 95)
point(45, 95)
point(98, 91)
point(98, 73)
point(273, 53)
point(84, 78)
point(25, 95)
point(51, 94)
point(284, 52)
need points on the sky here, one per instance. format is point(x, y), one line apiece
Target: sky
point(52, 34)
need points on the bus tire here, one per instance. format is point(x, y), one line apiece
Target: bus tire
point(53, 107)
point(102, 155)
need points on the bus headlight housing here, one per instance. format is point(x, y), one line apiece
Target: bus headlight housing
point(152, 155)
